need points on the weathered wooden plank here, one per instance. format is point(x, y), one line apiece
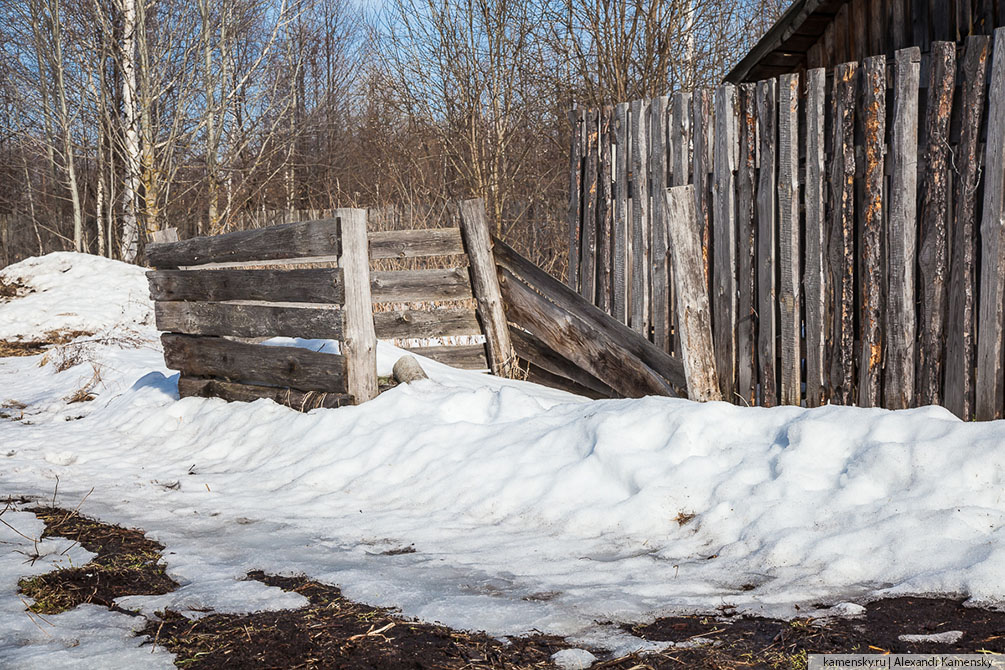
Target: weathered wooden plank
point(934, 252)
point(871, 301)
point(633, 343)
point(920, 25)
point(248, 320)
point(418, 324)
point(658, 250)
point(579, 342)
point(360, 342)
point(261, 364)
point(693, 311)
point(163, 235)
point(815, 281)
point(303, 401)
point(293, 240)
point(842, 238)
point(842, 35)
point(605, 212)
point(542, 377)
point(622, 168)
point(942, 20)
point(860, 30)
point(420, 285)
point(878, 34)
point(724, 235)
point(415, 243)
point(964, 18)
point(640, 219)
point(485, 286)
point(962, 326)
point(899, 26)
point(575, 214)
point(680, 160)
point(990, 371)
point(465, 356)
point(315, 286)
point(532, 350)
point(746, 184)
point(898, 380)
point(789, 242)
point(588, 251)
point(767, 235)
point(701, 166)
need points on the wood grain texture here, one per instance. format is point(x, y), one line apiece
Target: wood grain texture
point(767, 237)
point(622, 168)
point(815, 278)
point(701, 166)
point(292, 240)
point(961, 329)
point(248, 320)
point(899, 387)
point(535, 352)
point(789, 242)
point(419, 324)
point(842, 237)
point(633, 343)
point(746, 186)
point(933, 259)
point(605, 212)
point(314, 286)
point(871, 247)
point(420, 285)
point(990, 371)
point(724, 303)
point(257, 364)
point(485, 286)
point(302, 401)
point(693, 310)
point(659, 288)
point(640, 219)
point(680, 161)
point(575, 214)
point(360, 343)
point(588, 247)
point(415, 243)
point(465, 356)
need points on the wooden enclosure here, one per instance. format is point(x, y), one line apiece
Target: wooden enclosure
point(850, 221)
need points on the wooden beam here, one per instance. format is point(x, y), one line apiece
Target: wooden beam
point(746, 185)
point(360, 343)
point(842, 237)
point(659, 287)
point(575, 216)
point(789, 242)
point(622, 169)
point(724, 236)
point(465, 356)
point(640, 220)
point(419, 324)
point(302, 401)
point(817, 273)
point(313, 286)
point(485, 286)
point(415, 243)
point(767, 237)
point(535, 352)
point(420, 285)
point(248, 320)
point(588, 249)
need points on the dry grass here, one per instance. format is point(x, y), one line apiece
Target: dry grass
point(67, 354)
point(53, 338)
point(10, 289)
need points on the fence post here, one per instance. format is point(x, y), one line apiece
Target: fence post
point(693, 313)
point(485, 286)
point(359, 344)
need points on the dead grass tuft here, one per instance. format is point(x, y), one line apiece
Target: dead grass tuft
point(22, 347)
point(83, 394)
point(12, 288)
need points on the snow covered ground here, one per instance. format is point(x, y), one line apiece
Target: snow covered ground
point(528, 508)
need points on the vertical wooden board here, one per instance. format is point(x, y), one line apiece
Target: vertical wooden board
point(724, 236)
point(701, 167)
point(640, 219)
point(901, 238)
point(814, 57)
point(842, 37)
point(485, 287)
point(860, 30)
point(961, 329)
point(878, 35)
point(767, 239)
point(619, 281)
point(871, 301)
point(828, 42)
point(964, 18)
point(789, 242)
point(575, 217)
point(698, 352)
point(588, 252)
point(898, 26)
point(680, 141)
point(360, 343)
point(984, 16)
point(934, 252)
point(816, 273)
point(943, 21)
point(746, 184)
point(605, 212)
point(990, 371)
point(658, 250)
point(921, 25)
point(841, 245)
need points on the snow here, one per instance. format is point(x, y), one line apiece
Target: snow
point(947, 637)
point(528, 508)
point(573, 659)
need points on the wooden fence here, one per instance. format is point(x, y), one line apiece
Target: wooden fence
point(850, 222)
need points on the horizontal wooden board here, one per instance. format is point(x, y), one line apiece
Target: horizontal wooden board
point(420, 285)
point(535, 352)
point(567, 300)
point(415, 243)
point(302, 401)
point(417, 324)
point(466, 356)
point(248, 320)
point(291, 240)
point(257, 364)
point(314, 286)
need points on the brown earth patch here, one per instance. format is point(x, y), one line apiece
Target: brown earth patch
point(21, 347)
point(12, 288)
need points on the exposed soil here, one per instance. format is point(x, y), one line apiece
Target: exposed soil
point(127, 563)
point(11, 288)
point(333, 632)
point(34, 347)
